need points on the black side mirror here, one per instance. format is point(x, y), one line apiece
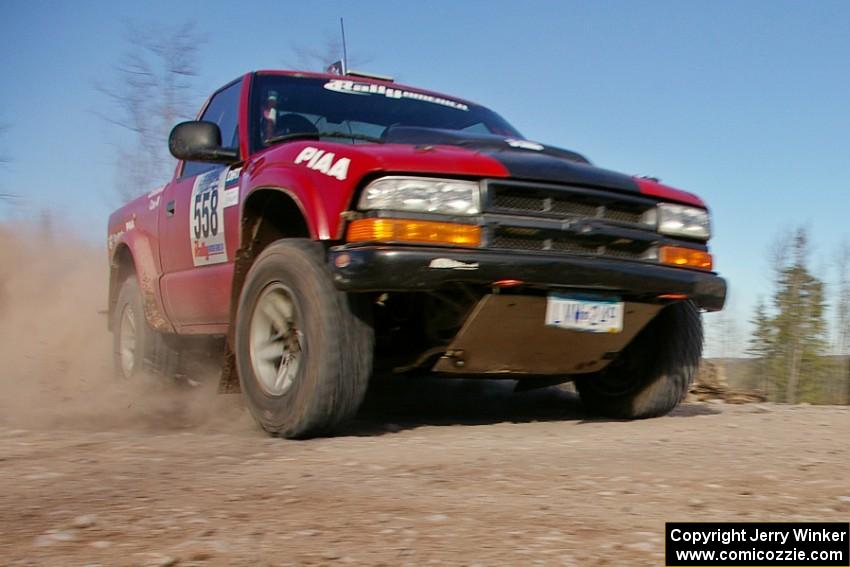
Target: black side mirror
point(200, 141)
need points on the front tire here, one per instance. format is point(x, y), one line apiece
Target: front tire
point(303, 348)
point(652, 375)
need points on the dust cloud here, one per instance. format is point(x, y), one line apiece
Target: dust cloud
point(56, 351)
point(56, 361)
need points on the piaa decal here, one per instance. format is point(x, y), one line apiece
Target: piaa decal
point(324, 162)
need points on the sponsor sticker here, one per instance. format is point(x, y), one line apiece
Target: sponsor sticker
point(206, 219)
point(230, 196)
point(154, 197)
point(232, 179)
point(324, 162)
point(357, 88)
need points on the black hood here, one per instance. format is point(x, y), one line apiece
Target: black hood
point(523, 159)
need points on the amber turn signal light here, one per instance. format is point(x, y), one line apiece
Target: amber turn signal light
point(674, 296)
point(420, 232)
point(685, 257)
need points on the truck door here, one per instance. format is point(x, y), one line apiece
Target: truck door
point(195, 247)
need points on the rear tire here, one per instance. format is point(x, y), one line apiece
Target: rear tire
point(652, 375)
point(303, 348)
point(138, 349)
point(132, 338)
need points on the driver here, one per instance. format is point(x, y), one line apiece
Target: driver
point(270, 115)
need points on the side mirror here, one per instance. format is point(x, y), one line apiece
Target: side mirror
point(200, 141)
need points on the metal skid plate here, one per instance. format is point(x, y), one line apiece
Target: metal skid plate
point(506, 334)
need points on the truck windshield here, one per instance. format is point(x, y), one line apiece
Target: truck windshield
point(352, 111)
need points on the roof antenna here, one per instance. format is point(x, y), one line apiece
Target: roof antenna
point(344, 52)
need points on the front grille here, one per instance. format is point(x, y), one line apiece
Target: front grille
point(518, 202)
point(623, 215)
point(562, 203)
point(552, 204)
point(561, 242)
point(573, 208)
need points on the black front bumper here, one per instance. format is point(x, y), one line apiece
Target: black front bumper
point(413, 268)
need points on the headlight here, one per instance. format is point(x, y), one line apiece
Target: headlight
point(422, 195)
point(679, 220)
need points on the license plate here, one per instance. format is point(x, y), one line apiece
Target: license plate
point(588, 314)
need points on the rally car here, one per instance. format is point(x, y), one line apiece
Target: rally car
point(325, 228)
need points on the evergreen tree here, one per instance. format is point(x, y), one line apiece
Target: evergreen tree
point(760, 347)
point(790, 343)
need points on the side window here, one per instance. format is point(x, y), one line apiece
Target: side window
point(223, 109)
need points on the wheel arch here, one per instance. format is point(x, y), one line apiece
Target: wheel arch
point(121, 266)
point(281, 208)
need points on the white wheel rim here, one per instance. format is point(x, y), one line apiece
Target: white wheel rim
point(127, 341)
point(276, 342)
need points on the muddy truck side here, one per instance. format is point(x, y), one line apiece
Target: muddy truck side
point(322, 229)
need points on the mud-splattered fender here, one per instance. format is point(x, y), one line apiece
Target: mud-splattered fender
point(128, 242)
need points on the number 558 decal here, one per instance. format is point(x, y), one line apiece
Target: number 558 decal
point(205, 214)
point(206, 219)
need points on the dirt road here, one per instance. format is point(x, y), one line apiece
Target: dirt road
point(93, 472)
point(460, 485)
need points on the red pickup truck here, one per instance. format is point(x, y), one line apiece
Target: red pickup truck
point(324, 228)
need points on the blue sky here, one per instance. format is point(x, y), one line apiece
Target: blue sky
point(745, 103)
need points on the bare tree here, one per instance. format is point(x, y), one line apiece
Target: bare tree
point(722, 330)
point(778, 253)
point(6, 198)
point(319, 58)
point(152, 88)
point(730, 341)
